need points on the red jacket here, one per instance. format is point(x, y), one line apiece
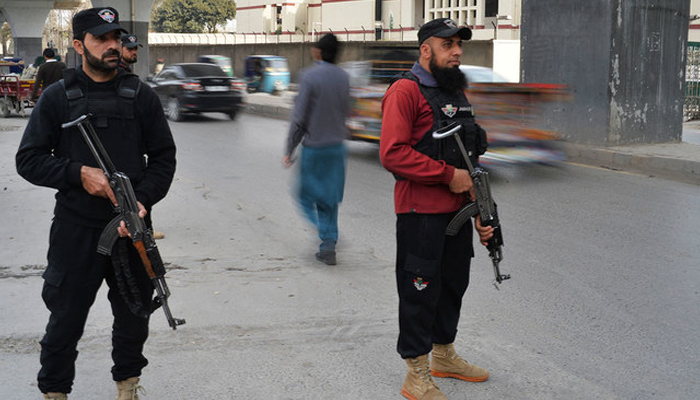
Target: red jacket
point(406, 117)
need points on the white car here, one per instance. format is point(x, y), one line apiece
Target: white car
point(478, 74)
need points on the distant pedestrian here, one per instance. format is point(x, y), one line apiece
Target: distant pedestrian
point(50, 71)
point(160, 63)
point(318, 123)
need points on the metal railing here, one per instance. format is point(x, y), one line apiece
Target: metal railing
point(284, 36)
point(691, 106)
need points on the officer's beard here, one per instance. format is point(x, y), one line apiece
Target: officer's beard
point(99, 64)
point(131, 60)
point(450, 79)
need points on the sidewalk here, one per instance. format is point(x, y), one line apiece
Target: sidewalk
point(680, 161)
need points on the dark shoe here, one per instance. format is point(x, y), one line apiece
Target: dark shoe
point(327, 257)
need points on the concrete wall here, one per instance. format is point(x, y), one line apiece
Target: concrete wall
point(298, 54)
point(624, 61)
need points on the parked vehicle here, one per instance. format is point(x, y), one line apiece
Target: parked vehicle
point(268, 74)
point(15, 89)
point(222, 61)
point(198, 87)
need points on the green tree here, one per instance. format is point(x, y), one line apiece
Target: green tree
point(191, 16)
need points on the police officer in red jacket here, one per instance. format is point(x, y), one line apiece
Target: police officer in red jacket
point(432, 184)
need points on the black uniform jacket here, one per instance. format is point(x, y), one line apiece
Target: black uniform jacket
point(142, 147)
point(48, 73)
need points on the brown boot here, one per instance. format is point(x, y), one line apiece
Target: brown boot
point(126, 390)
point(55, 396)
point(447, 364)
point(419, 385)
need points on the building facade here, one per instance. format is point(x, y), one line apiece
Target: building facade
point(369, 20)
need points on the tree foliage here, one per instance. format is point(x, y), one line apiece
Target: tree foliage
point(191, 16)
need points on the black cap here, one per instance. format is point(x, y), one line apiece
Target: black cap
point(130, 41)
point(443, 28)
point(96, 21)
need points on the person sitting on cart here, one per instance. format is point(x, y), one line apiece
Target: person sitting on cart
point(49, 72)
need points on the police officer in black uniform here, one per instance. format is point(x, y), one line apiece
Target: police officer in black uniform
point(129, 119)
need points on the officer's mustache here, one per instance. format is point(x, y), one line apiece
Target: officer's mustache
point(110, 53)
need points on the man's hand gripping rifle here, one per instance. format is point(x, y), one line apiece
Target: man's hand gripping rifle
point(128, 210)
point(484, 204)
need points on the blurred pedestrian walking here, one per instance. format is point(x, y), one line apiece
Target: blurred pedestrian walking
point(318, 124)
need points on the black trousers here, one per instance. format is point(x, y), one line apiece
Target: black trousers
point(432, 275)
point(72, 278)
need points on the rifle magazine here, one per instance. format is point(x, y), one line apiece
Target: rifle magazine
point(109, 236)
point(461, 218)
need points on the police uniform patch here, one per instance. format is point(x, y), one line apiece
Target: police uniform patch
point(420, 284)
point(450, 24)
point(107, 15)
point(449, 110)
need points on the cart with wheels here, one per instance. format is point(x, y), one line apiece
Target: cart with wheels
point(15, 94)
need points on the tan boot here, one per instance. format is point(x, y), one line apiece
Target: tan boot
point(419, 385)
point(447, 364)
point(126, 390)
point(55, 396)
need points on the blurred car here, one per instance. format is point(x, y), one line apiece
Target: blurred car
point(198, 87)
point(511, 115)
point(479, 74)
point(509, 112)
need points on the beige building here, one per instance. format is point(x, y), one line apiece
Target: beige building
point(368, 20)
point(694, 30)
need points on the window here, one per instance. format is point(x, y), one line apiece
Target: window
point(197, 70)
point(491, 8)
point(464, 12)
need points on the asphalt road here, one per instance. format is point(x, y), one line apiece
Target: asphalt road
point(603, 303)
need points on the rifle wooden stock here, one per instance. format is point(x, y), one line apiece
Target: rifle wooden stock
point(144, 258)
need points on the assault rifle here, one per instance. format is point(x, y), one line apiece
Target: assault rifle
point(484, 204)
point(128, 211)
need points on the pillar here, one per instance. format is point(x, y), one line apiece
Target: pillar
point(26, 20)
point(623, 60)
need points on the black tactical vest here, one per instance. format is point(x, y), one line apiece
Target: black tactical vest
point(102, 107)
point(113, 115)
point(449, 108)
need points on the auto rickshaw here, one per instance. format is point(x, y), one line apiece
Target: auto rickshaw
point(269, 74)
point(221, 61)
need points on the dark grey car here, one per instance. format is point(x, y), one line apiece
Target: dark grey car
point(198, 87)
